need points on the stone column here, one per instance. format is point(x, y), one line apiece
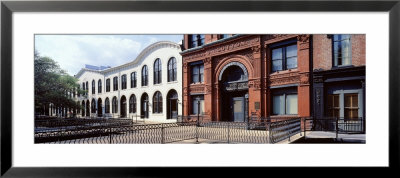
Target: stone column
point(208, 80)
point(255, 85)
point(318, 95)
point(303, 65)
point(185, 85)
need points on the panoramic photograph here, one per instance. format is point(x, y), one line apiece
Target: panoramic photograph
point(200, 89)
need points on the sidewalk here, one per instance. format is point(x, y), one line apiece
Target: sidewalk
point(342, 138)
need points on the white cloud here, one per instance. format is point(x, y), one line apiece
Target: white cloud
point(72, 52)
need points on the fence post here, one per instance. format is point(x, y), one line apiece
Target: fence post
point(363, 125)
point(289, 131)
point(305, 120)
point(228, 131)
point(110, 135)
point(337, 127)
point(162, 134)
point(197, 133)
point(269, 131)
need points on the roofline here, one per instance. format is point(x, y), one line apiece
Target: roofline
point(135, 61)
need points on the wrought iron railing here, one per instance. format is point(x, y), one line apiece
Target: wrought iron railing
point(190, 128)
point(284, 129)
point(339, 124)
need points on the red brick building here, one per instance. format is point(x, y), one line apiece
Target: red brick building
point(339, 76)
point(234, 76)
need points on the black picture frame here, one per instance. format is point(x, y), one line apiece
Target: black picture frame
point(8, 7)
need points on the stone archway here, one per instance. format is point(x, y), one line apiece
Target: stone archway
point(233, 92)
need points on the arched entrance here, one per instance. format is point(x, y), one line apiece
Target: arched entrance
point(172, 105)
point(233, 80)
point(83, 108)
point(99, 108)
point(123, 106)
point(144, 106)
point(87, 108)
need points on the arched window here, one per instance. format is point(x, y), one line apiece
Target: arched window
point(99, 85)
point(123, 82)
point(87, 88)
point(93, 106)
point(172, 70)
point(93, 87)
point(83, 88)
point(132, 104)
point(157, 102)
point(144, 76)
point(107, 106)
point(114, 105)
point(133, 80)
point(115, 83)
point(157, 72)
point(108, 85)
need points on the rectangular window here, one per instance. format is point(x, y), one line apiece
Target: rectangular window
point(284, 58)
point(193, 41)
point(222, 36)
point(108, 85)
point(201, 39)
point(195, 106)
point(196, 40)
point(291, 104)
point(333, 107)
point(197, 73)
point(284, 103)
point(279, 105)
point(351, 106)
point(341, 50)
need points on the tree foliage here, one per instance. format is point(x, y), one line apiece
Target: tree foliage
point(52, 84)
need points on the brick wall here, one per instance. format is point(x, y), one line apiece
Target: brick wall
point(322, 51)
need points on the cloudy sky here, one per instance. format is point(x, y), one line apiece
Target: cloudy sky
point(72, 52)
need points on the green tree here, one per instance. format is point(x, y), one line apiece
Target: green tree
point(53, 85)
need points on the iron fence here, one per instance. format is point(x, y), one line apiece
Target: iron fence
point(121, 131)
point(338, 125)
point(284, 129)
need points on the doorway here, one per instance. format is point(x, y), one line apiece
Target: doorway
point(144, 106)
point(233, 89)
point(123, 106)
point(238, 104)
point(99, 108)
point(172, 105)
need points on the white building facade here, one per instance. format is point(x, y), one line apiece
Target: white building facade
point(148, 88)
